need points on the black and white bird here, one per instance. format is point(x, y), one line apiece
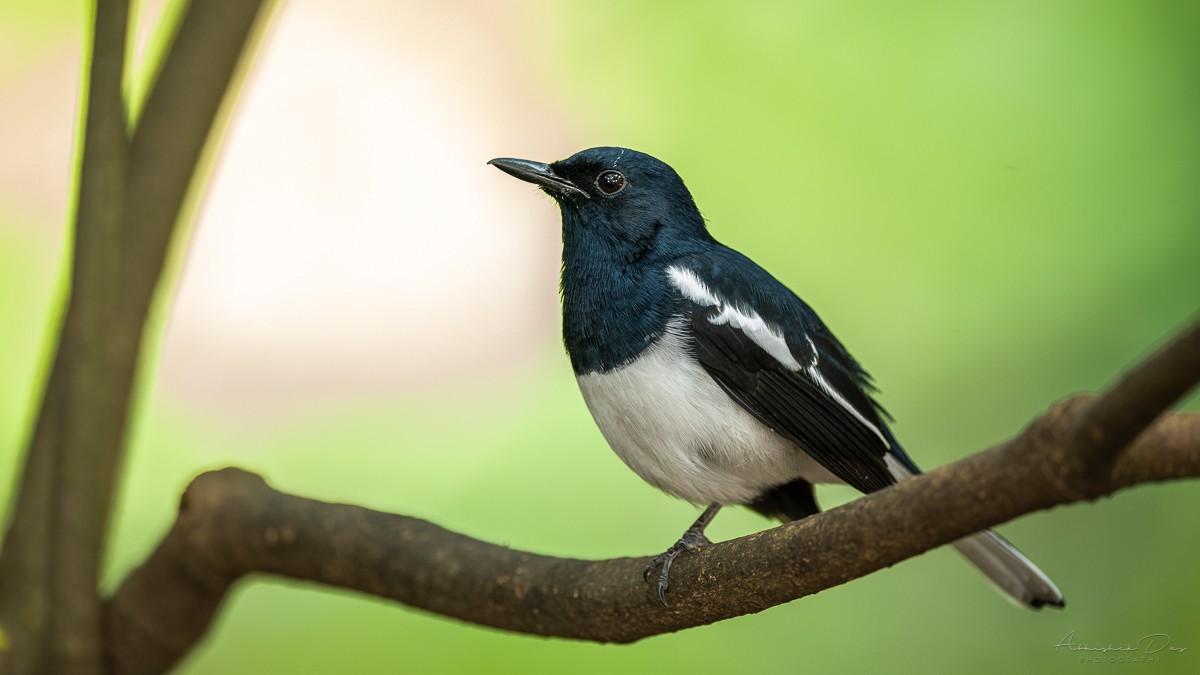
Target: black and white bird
point(707, 376)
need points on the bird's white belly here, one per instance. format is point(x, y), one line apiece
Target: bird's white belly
point(673, 424)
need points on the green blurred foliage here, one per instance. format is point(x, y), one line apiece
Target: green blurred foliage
point(993, 204)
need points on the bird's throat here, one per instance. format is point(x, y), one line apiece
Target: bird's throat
point(612, 309)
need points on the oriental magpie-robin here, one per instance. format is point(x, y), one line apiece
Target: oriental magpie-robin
point(707, 376)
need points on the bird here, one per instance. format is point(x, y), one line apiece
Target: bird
point(706, 375)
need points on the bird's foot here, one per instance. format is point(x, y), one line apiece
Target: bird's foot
point(692, 541)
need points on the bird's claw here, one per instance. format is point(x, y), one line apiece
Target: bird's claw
point(691, 541)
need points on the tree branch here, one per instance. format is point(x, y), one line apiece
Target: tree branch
point(130, 195)
point(52, 550)
point(231, 523)
point(182, 108)
point(1130, 405)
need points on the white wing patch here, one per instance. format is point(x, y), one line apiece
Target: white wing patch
point(837, 396)
point(896, 468)
point(763, 334)
point(692, 288)
point(748, 321)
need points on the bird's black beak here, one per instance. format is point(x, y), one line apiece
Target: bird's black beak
point(539, 174)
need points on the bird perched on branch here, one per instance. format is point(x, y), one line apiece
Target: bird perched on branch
point(707, 376)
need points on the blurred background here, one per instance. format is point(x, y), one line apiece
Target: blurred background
point(994, 205)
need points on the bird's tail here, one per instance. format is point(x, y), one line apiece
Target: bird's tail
point(1012, 572)
point(1016, 577)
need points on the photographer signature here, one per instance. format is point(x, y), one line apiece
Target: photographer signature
point(1148, 644)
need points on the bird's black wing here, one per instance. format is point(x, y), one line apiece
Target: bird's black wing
point(771, 354)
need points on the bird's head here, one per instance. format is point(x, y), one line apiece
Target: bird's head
point(622, 195)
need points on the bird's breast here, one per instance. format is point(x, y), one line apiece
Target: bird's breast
point(670, 422)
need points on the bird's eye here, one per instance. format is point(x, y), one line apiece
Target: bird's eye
point(610, 182)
